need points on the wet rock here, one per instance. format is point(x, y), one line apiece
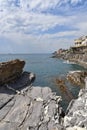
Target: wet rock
point(77, 77)
point(11, 70)
point(62, 85)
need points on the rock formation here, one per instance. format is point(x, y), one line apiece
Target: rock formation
point(76, 53)
point(11, 70)
point(23, 107)
point(77, 112)
point(36, 109)
point(77, 77)
point(61, 84)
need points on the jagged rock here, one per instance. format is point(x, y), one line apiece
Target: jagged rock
point(77, 77)
point(77, 112)
point(38, 109)
point(11, 70)
point(23, 107)
point(74, 54)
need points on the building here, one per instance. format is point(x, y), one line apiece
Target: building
point(78, 42)
point(80, 45)
point(82, 41)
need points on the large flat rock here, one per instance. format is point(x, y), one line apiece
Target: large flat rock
point(36, 108)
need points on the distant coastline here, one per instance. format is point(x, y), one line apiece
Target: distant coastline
point(76, 53)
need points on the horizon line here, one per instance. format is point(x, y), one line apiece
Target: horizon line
point(22, 53)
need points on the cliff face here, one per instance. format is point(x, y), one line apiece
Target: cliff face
point(77, 56)
point(76, 53)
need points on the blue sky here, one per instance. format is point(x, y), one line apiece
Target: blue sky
point(41, 26)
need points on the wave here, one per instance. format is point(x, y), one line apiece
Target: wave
point(68, 62)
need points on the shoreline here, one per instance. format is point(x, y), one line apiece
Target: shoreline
point(23, 106)
point(76, 117)
point(73, 121)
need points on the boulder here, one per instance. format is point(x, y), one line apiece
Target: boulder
point(11, 70)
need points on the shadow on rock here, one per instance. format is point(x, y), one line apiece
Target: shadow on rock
point(25, 80)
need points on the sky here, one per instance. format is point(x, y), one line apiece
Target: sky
point(41, 26)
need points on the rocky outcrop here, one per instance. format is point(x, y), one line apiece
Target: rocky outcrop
point(23, 107)
point(76, 114)
point(80, 59)
point(79, 56)
point(77, 77)
point(10, 71)
point(35, 108)
point(76, 53)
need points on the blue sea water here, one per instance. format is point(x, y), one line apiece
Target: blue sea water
point(47, 69)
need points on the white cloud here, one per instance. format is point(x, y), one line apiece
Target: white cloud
point(38, 5)
point(76, 1)
point(25, 22)
point(36, 44)
point(41, 5)
point(24, 27)
point(22, 21)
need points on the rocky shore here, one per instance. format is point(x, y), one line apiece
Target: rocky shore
point(35, 108)
point(27, 107)
point(76, 113)
point(73, 57)
point(77, 53)
point(24, 107)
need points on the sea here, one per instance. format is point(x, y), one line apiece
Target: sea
point(47, 70)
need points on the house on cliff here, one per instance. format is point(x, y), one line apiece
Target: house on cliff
point(80, 45)
point(82, 41)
